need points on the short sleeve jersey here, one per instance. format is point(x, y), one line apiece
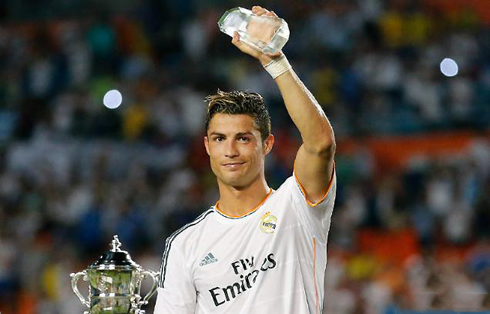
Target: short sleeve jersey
point(271, 260)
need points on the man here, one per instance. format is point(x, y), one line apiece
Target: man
point(257, 250)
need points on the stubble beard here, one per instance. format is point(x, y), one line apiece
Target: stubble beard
point(240, 182)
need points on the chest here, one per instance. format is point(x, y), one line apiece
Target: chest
point(234, 257)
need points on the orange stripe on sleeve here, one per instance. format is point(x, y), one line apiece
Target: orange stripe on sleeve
point(304, 192)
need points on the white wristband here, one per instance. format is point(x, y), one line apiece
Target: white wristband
point(278, 66)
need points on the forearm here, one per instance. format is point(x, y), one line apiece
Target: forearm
point(304, 110)
point(314, 160)
point(306, 113)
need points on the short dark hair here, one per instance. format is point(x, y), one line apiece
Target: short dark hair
point(238, 102)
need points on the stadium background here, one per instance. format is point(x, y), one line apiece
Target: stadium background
point(411, 225)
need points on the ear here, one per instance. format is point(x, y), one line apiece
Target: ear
point(268, 144)
point(206, 144)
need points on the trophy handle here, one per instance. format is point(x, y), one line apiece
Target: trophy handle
point(74, 281)
point(154, 276)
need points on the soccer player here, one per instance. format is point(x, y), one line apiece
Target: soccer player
point(256, 250)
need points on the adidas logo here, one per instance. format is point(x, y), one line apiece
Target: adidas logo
point(209, 259)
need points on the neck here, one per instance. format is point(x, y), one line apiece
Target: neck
point(239, 201)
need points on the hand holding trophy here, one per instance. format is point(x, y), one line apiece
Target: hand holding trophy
point(257, 32)
point(114, 283)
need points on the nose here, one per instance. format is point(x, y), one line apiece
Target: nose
point(231, 149)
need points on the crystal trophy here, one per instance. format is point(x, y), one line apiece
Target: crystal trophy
point(264, 33)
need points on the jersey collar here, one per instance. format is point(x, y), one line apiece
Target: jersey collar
point(250, 212)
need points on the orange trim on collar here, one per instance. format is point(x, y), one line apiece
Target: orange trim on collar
point(247, 213)
point(303, 189)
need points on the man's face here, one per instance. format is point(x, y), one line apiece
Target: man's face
point(235, 149)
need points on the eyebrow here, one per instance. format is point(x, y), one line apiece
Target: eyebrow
point(216, 133)
point(238, 134)
point(244, 133)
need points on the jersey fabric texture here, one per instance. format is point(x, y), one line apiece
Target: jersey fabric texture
point(271, 260)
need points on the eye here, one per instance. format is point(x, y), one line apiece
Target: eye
point(219, 138)
point(243, 139)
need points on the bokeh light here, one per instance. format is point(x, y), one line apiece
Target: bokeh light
point(112, 99)
point(449, 67)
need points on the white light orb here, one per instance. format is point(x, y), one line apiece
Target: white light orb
point(449, 67)
point(112, 99)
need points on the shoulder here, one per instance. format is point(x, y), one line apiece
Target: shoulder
point(294, 189)
point(287, 186)
point(189, 230)
point(176, 242)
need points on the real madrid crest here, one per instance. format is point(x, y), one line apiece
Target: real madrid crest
point(268, 223)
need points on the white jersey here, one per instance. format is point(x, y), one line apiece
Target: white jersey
point(271, 260)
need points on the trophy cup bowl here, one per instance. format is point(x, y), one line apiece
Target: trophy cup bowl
point(114, 283)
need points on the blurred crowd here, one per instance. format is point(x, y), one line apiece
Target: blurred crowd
point(73, 173)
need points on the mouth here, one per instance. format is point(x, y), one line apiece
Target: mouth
point(232, 165)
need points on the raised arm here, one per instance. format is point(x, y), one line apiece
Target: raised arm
point(314, 160)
